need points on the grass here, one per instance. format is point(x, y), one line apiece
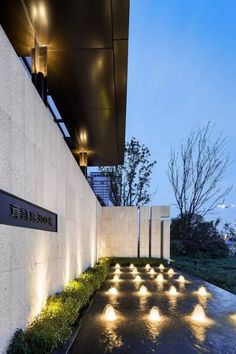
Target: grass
point(220, 272)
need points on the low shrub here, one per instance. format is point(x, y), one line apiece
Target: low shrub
point(215, 248)
point(54, 325)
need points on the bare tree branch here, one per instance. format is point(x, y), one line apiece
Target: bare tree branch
point(197, 172)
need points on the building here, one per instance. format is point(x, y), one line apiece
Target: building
point(52, 226)
point(100, 184)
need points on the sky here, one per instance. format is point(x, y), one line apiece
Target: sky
point(181, 74)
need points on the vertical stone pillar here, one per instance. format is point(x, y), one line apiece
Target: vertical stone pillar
point(166, 239)
point(156, 232)
point(144, 231)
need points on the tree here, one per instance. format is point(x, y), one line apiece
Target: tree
point(198, 229)
point(196, 237)
point(129, 183)
point(229, 232)
point(197, 170)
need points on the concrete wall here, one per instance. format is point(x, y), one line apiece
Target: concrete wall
point(127, 231)
point(36, 165)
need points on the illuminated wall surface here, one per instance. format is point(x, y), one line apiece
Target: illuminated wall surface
point(36, 165)
point(124, 230)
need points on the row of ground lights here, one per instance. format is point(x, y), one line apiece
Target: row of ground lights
point(198, 315)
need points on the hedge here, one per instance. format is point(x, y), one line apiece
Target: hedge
point(54, 324)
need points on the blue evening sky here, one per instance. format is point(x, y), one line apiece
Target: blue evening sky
point(182, 73)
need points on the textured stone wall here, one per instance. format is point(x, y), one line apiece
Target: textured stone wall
point(125, 231)
point(36, 165)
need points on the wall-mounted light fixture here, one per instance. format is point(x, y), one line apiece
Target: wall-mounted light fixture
point(39, 69)
point(83, 159)
point(83, 162)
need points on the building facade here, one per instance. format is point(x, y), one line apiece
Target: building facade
point(100, 184)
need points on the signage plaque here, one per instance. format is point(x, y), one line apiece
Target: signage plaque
point(15, 211)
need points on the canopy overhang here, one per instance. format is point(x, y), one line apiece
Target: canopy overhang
point(87, 66)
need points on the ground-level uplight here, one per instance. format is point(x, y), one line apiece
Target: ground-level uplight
point(181, 279)
point(138, 279)
point(147, 267)
point(112, 291)
point(172, 291)
point(202, 291)
point(160, 278)
point(171, 271)
point(154, 314)
point(198, 316)
point(161, 267)
point(135, 271)
point(152, 271)
point(109, 313)
point(116, 277)
point(143, 290)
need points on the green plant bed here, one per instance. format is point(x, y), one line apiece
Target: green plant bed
point(220, 272)
point(55, 323)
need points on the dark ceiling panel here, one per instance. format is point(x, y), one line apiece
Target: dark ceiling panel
point(120, 57)
point(91, 72)
point(120, 15)
point(87, 65)
point(73, 24)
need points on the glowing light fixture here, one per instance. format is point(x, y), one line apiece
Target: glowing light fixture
point(116, 277)
point(154, 314)
point(143, 290)
point(112, 291)
point(172, 291)
point(152, 271)
point(181, 279)
point(198, 315)
point(117, 266)
point(138, 279)
point(147, 267)
point(161, 267)
point(83, 138)
point(135, 271)
point(233, 318)
point(160, 278)
point(131, 266)
point(202, 291)
point(171, 271)
point(83, 159)
point(110, 313)
point(117, 271)
point(42, 11)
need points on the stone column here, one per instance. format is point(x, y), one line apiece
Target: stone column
point(166, 239)
point(144, 231)
point(156, 232)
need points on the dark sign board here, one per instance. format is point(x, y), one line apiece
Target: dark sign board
point(15, 211)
